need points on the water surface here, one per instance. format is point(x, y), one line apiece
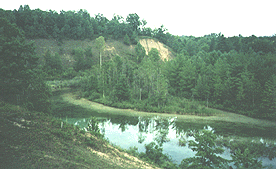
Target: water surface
point(131, 131)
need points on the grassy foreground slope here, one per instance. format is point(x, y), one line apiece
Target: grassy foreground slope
point(36, 140)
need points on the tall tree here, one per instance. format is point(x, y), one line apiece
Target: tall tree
point(126, 40)
point(140, 53)
point(134, 21)
point(20, 81)
point(82, 61)
point(154, 55)
point(222, 44)
point(160, 34)
point(100, 45)
point(53, 63)
point(122, 91)
point(269, 101)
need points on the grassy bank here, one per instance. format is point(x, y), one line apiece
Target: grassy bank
point(85, 107)
point(36, 140)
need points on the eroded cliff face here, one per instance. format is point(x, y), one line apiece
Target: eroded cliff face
point(164, 52)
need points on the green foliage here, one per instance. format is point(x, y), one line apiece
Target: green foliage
point(38, 94)
point(88, 52)
point(122, 92)
point(155, 154)
point(126, 40)
point(69, 73)
point(206, 152)
point(230, 73)
point(160, 34)
point(100, 45)
point(140, 53)
point(154, 55)
point(133, 151)
point(82, 61)
point(134, 38)
point(134, 21)
point(53, 64)
point(93, 128)
point(182, 76)
point(20, 80)
point(269, 99)
point(245, 159)
point(93, 125)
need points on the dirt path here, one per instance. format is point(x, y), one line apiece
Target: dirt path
point(220, 115)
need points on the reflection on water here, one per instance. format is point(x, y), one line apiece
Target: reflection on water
point(170, 133)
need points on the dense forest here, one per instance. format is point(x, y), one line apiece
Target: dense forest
point(229, 73)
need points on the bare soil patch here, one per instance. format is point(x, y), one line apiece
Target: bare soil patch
point(148, 44)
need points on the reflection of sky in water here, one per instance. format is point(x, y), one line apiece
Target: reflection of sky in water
point(130, 137)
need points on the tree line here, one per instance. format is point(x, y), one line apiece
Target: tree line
point(75, 24)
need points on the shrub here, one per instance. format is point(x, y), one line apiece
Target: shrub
point(93, 127)
point(53, 64)
point(245, 159)
point(69, 73)
point(126, 40)
point(154, 153)
point(246, 154)
point(207, 150)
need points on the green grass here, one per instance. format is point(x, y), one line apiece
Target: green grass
point(36, 140)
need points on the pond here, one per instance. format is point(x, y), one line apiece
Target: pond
point(172, 134)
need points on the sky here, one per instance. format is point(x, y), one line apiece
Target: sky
point(180, 17)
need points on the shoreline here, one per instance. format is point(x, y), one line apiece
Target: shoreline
point(70, 96)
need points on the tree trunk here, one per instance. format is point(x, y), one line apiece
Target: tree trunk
point(140, 94)
point(100, 60)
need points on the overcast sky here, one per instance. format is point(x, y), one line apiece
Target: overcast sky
point(180, 17)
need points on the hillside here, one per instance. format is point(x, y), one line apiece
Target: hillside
point(36, 140)
point(164, 51)
point(113, 47)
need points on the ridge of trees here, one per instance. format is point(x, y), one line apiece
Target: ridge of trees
point(80, 25)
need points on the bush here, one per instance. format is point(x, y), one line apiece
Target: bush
point(245, 159)
point(82, 62)
point(53, 64)
point(69, 73)
point(133, 151)
point(246, 154)
point(207, 150)
point(154, 153)
point(126, 40)
point(94, 96)
point(93, 127)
